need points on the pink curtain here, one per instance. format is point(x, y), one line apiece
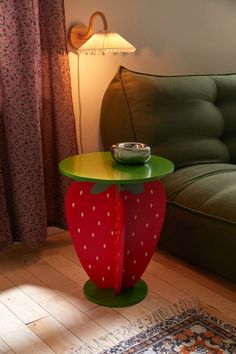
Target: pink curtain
point(37, 127)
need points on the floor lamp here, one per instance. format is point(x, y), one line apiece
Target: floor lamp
point(85, 41)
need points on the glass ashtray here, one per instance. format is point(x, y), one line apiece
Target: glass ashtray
point(131, 153)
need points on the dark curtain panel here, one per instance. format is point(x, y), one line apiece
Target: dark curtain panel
point(37, 127)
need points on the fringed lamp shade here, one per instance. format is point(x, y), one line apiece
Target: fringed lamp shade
point(104, 42)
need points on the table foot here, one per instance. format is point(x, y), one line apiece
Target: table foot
point(107, 297)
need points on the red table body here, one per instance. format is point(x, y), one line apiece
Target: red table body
point(115, 231)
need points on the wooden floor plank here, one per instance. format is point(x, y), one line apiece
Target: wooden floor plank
point(193, 289)
point(148, 305)
point(70, 269)
point(51, 230)
point(153, 301)
point(62, 310)
point(215, 283)
point(163, 289)
point(55, 335)
point(55, 305)
point(133, 313)
point(108, 319)
point(20, 338)
point(4, 348)
point(69, 253)
point(18, 302)
point(40, 273)
point(51, 245)
point(74, 320)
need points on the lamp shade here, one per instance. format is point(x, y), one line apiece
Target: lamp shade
point(104, 42)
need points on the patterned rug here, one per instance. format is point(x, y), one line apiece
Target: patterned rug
point(186, 327)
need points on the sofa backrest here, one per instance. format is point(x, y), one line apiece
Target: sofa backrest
point(187, 119)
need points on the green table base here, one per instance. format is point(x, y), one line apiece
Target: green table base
point(107, 297)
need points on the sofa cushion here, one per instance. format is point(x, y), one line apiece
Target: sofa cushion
point(190, 120)
point(187, 119)
point(226, 102)
point(201, 206)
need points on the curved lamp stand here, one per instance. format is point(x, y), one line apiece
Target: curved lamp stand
point(79, 34)
point(85, 41)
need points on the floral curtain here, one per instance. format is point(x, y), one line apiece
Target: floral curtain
point(37, 127)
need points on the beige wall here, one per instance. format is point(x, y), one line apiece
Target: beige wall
point(171, 37)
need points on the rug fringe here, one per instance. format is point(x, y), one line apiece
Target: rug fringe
point(158, 316)
point(164, 313)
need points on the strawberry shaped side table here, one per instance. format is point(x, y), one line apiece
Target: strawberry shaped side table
point(114, 213)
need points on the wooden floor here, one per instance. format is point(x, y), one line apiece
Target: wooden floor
point(43, 309)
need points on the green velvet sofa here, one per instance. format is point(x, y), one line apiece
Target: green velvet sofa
point(190, 120)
